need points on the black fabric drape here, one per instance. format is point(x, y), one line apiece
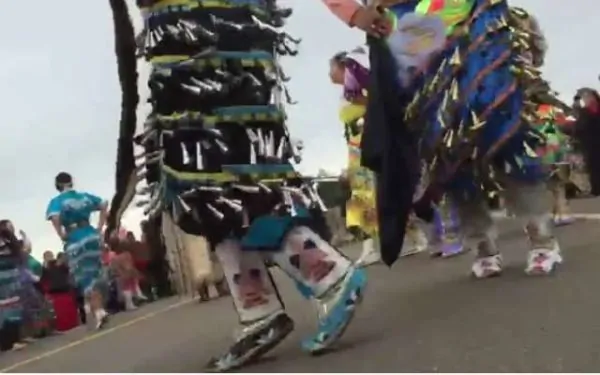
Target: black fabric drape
point(389, 150)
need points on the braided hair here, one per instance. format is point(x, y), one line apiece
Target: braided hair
point(125, 51)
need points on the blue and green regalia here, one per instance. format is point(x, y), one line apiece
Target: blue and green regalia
point(218, 161)
point(471, 106)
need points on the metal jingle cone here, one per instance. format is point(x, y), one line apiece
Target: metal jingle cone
point(261, 143)
point(236, 207)
point(313, 194)
point(289, 202)
point(189, 193)
point(206, 144)
point(246, 188)
point(192, 89)
point(270, 148)
point(280, 148)
point(199, 157)
point(264, 187)
point(184, 205)
point(251, 135)
point(203, 86)
point(222, 145)
point(252, 154)
point(173, 31)
point(210, 189)
point(215, 212)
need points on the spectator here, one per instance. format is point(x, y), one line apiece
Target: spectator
point(141, 257)
point(47, 257)
point(30, 295)
point(61, 259)
point(10, 303)
point(113, 299)
point(158, 266)
point(56, 280)
point(126, 275)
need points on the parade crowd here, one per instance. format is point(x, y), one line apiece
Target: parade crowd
point(45, 299)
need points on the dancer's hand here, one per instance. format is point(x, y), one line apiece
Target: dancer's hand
point(371, 21)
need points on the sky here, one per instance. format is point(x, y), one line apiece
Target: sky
point(61, 98)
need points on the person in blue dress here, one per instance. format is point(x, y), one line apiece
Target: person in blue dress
point(70, 213)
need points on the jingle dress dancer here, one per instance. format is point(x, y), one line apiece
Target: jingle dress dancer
point(350, 70)
point(218, 162)
point(70, 213)
point(469, 109)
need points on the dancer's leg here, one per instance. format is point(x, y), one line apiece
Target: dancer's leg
point(325, 275)
point(530, 203)
point(448, 229)
point(261, 312)
point(370, 253)
point(415, 240)
point(127, 292)
point(480, 235)
point(560, 205)
point(86, 265)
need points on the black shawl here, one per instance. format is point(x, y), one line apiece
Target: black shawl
point(390, 150)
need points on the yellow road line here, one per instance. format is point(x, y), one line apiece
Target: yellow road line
point(94, 336)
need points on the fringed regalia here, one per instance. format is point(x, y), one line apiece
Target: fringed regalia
point(360, 208)
point(217, 158)
point(470, 105)
point(473, 110)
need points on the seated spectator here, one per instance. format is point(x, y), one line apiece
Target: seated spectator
point(61, 258)
point(56, 280)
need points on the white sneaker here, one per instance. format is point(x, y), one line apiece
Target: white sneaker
point(128, 297)
point(543, 261)
point(414, 242)
point(370, 255)
point(411, 249)
point(487, 266)
point(101, 319)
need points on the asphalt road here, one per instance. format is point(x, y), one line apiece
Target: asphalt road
point(422, 315)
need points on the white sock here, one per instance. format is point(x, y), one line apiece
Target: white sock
point(128, 296)
point(138, 292)
point(368, 245)
point(100, 314)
